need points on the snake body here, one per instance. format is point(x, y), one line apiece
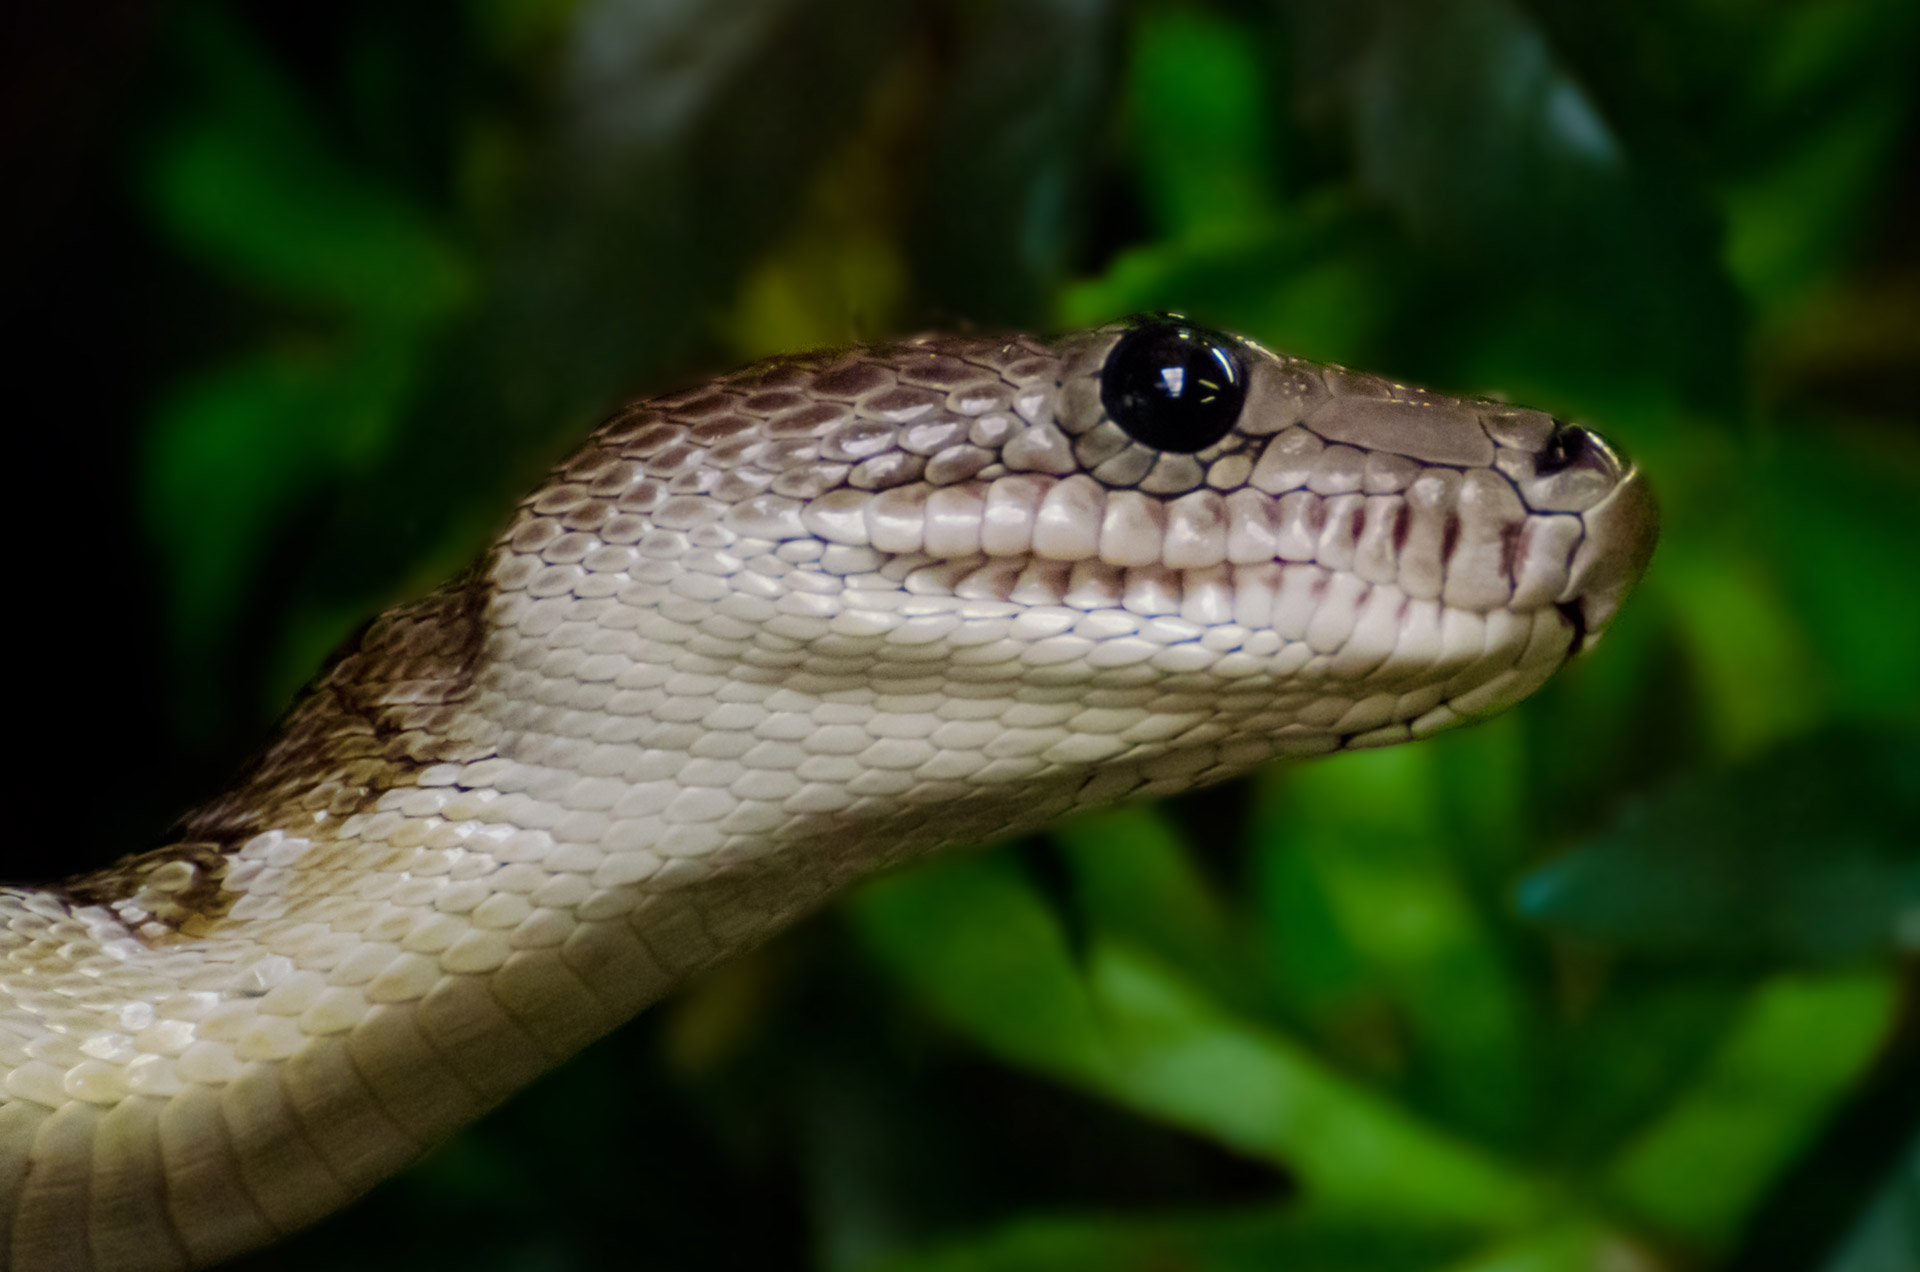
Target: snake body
point(751, 642)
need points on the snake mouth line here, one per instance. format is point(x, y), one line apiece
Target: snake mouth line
point(1332, 612)
point(1575, 612)
point(1032, 537)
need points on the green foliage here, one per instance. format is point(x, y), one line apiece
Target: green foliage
point(1889, 1232)
point(1805, 855)
point(1616, 980)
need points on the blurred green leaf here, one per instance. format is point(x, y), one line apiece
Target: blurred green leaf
point(1811, 853)
point(1325, 268)
point(1629, 1041)
point(1482, 783)
point(1255, 1242)
point(1008, 154)
point(1310, 957)
point(1469, 126)
point(1887, 1238)
point(1136, 880)
point(837, 274)
point(1198, 121)
point(1835, 505)
point(1371, 830)
point(523, 28)
point(975, 944)
point(1833, 87)
point(1466, 118)
point(1698, 1169)
point(1752, 663)
point(245, 178)
point(983, 951)
point(1558, 1247)
point(232, 452)
point(1186, 1059)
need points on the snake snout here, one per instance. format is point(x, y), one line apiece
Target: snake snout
point(1620, 532)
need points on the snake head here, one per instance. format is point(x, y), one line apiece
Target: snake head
point(1130, 560)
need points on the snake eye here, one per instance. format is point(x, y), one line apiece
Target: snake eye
point(1172, 386)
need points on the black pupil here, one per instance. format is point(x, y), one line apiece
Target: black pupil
point(1173, 387)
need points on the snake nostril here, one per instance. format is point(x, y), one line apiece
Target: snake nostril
point(1566, 446)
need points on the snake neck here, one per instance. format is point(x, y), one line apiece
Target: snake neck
point(392, 703)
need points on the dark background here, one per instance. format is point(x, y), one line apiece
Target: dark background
point(302, 296)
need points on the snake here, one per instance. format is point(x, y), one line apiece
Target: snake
point(753, 641)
